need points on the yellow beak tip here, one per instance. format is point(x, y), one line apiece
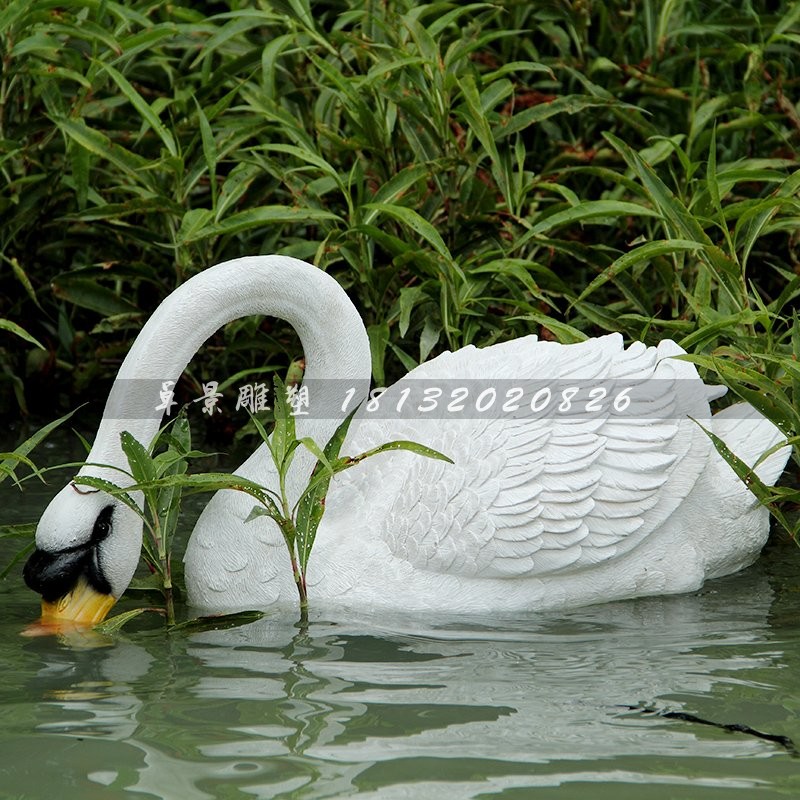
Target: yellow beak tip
point(81, 607)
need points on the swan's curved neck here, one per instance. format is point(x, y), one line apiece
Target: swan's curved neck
point(334, 341)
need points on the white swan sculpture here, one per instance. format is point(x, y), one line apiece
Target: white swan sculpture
point(538, 511)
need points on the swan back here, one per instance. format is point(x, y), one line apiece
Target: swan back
point(535, 494)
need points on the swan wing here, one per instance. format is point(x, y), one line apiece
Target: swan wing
point(534, 494)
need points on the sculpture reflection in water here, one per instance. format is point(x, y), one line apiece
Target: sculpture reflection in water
point(460, 706)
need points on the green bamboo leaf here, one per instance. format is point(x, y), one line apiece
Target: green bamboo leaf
point(11, 457)
point(21, 554)
point(11, 13)
point(378, 340)
point(284, 432)
point(142, 106)
point(441, 22)
point(119, 322)
point(790, 365)
point(16, 459)
point(645, 252)
point(428, 338)
point(88, 293)
point(566, 334)
point(270, 65)
point(475, 116)
point(209, 150)
point(706, 112)
point(712, 183)
point(152, 583)
point(139, 460)
point(707, 333)
point(195, 226)
point(22, 277)
point(753, 387)
point(757, 219)
point(405, 359)
point(271, 510)
point(202, 482)
point(116, 623)
point(235, 24)
point(302, 154)
point(517, 67)
point(319, 454)
point(394, 245)
point(109, 488)
point(590, 209)
point(399, 444)
point(38, 44)
point(507, 267)
point(516, 266)
point(311, 504)
point(7, 325)
point(289, 457)
point(262, 432)
point(570, 104)
point(377, 74)
point(95, 142)
point(682, 224)
point(215, 622)
point(415, 222)
point(795, 339)
point(165, 462)
point(119, 211)
point(22, 530)
point(397, 186)
point(144, 40)
point(168, 499)
point(660, 194)
point(30, 443)
point(409, 298)
point(789, 20)
point(261, 217)
point(762, 492)
point(423, 39)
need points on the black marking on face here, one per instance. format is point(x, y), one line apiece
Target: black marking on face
point(54, 575)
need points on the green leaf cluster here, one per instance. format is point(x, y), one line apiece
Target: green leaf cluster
point(9, 464)
point(469, 172)
point(299, 522)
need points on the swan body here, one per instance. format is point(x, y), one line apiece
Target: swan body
point(538, 510)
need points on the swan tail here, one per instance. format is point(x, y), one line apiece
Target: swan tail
point(749, 434)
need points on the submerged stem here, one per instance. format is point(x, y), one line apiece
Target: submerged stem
point(169, 595)
point(290, 537)
point(164, 564)
point(300, 581)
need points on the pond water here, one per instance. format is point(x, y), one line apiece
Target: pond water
point(408, 706)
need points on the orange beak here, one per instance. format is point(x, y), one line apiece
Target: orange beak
point(82, 604)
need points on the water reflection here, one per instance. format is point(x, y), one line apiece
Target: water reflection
point(407, 706)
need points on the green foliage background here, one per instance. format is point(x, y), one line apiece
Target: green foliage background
point(469, 172)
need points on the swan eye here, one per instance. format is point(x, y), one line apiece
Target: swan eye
point(102, 525)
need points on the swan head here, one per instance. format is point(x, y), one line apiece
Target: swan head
point(87, 549)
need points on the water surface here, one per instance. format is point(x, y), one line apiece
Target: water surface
point(411, 706)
